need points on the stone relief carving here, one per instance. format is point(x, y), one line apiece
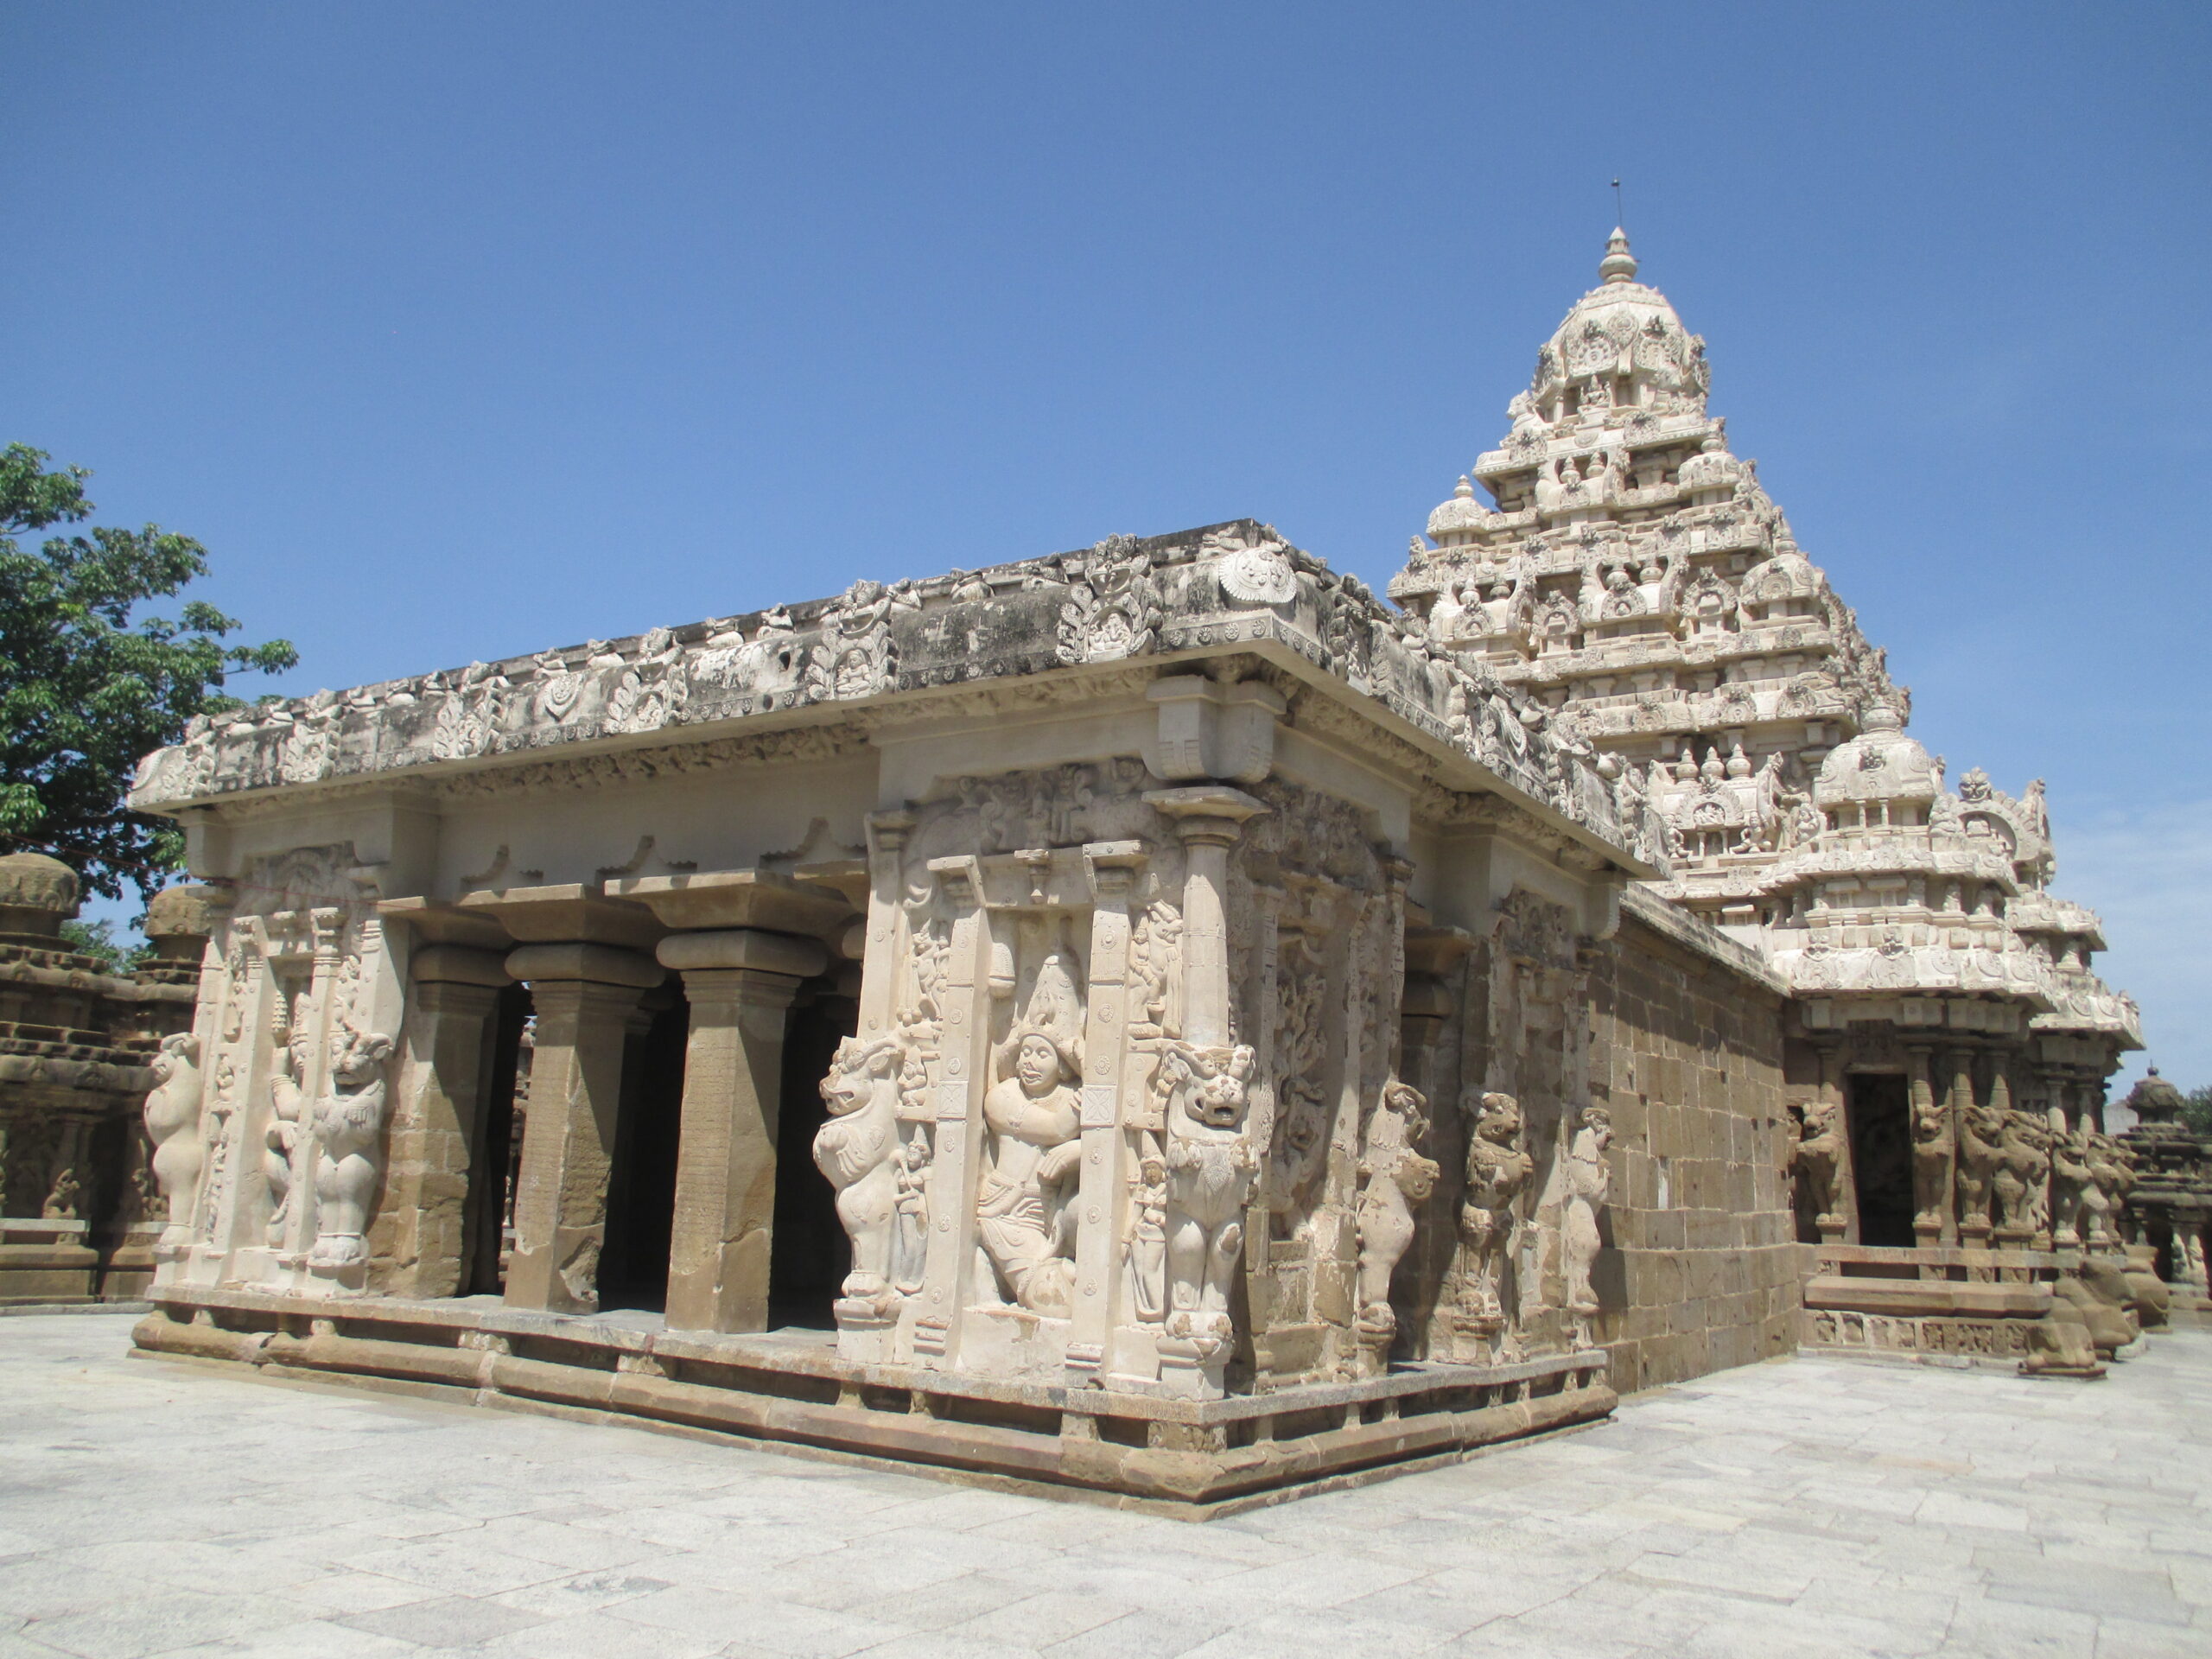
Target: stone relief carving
point(172, 1114)
point(1210, 1164)
point(349, 1122)
point(1395, 1181)
point(1589, 1181)
point(1498, 1169)
point(287, 1142)
point(1031, 1114)
point(858, 1150)
point(1120, 600)
point(1817, 1161)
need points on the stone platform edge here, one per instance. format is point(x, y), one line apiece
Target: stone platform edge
point(1193, 1458)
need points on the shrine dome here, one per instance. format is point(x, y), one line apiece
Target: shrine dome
point(1880, 764)
point(1621, 328)
point(1461, 513)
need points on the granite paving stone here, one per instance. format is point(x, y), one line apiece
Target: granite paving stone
point(157, 1509)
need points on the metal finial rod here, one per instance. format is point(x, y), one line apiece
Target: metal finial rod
point(1620, 213)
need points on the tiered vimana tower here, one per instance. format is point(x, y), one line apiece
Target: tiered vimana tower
point(1947, 1045)
point(1634, 570)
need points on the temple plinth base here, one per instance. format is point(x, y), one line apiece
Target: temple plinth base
point(791, 1390)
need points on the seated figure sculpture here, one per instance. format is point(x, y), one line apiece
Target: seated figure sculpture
point(1032, 1118)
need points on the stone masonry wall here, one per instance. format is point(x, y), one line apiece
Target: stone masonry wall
point(1701, 1270)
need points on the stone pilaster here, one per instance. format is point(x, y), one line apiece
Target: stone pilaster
point(583, 995)
point(740, 984)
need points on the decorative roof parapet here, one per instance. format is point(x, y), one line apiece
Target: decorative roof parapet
point(1122, 600)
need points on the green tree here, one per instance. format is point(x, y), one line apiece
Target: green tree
point(2196, 1110)
point(87, 687)
point(97, 941)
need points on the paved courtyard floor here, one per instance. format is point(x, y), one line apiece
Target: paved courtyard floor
point(1809, 1507)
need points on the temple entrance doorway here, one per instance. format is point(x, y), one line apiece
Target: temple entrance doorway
point(1881, 1157)
point(811, 1254)
point(641, 1183)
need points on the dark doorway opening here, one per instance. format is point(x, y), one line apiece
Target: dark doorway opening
point(1881, 1158)
point(810, 1254)
point(487, 1209)
point(641, 1182)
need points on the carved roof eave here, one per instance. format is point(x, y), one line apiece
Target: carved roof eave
point(1805, 972)
point(813, 680)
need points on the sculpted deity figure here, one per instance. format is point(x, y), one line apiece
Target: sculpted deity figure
point(1147, 1251)
point(173, 1125)
point(348, 1122)
point(1031, 1121)
point(1210, 1164)
point(1589, 1179)
point(1818, 1162)
point(1931, 1162)
point(910, 1244)
point(1498, 1168)
point(856, 1148)
point(1394, 1178)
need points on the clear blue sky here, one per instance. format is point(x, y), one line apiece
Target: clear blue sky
point(456, 331)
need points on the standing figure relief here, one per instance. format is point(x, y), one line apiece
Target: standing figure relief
point(858, 1149)
point(348, 1121)
point(1210, 1166)
point(1395, 1179)
point(173, 1125)
point(1498, 1168)
point(1818, 1162)
point(1980, 1131)
point(1589, 1180)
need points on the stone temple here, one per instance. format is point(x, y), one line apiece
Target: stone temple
point(1157, 1020)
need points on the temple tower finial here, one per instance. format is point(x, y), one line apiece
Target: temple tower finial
point(1618, 264)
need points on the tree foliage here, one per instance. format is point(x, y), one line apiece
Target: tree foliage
point(2196, 1110)
point(88, 686)
point(97, 940)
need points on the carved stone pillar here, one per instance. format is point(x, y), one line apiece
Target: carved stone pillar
point(948, 1274)
point(1841, 1224)
point(740, 984)
point(1974, 1192)
point(1112, 868)
point(1204, 1202)
point(438, 1133)
point(584, 996)
point(1210, 819)
point(1934, 1151)
point(2016, 1230)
